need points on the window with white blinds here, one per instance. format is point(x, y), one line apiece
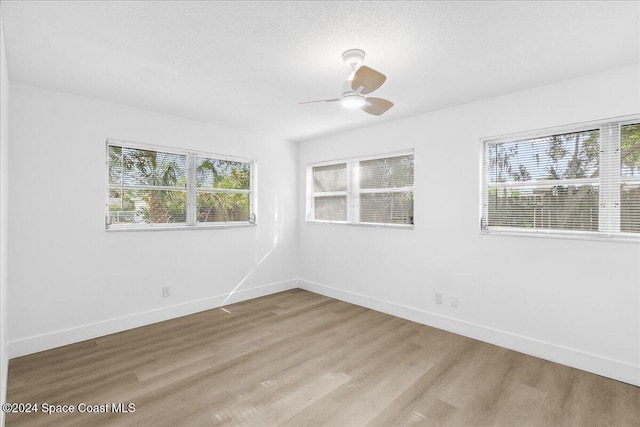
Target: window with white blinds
point(630, 178)
point(153, 187)
point(330, 192)
point(372, 190)
point(585, 180)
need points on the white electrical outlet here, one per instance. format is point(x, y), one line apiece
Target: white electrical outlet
point(454, 301)
point(166, 291)
point(438, 297)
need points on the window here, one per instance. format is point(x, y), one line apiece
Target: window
point(372, 190)
point(330, 192)
point(583, 180)
point(630, 178)
point(151, 187)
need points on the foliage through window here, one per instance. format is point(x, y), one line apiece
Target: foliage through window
point(374, 190)
point(151, 187)
point(584, 180)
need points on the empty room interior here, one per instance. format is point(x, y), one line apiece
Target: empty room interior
point(319, 213)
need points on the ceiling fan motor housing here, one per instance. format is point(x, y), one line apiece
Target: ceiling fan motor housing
point(353, 58)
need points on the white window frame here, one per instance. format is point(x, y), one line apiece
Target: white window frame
point(608, 181)
point(353, 190)
point(191, 189)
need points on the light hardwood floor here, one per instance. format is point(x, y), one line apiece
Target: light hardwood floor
point(300, 359)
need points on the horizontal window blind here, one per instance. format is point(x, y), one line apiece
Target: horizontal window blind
point(386, 190)
point(630, 178)
point(389, 172)
point(330, 178)
point(146, 187)
point(376, 190)
point(223, 190)
point(386, 208)
point(546, 182)
point(330, 192)
point(579, 181)
point(330, 208)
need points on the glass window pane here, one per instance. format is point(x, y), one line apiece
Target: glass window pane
point(330, 178)
point(330, 208)
point(567, 156)
point(630, 150)
point(147, 206)
point(630, 208)
point(567, 207)
point(216, 173)
point(391, 172)
point(115, 165)
point(222, 207)
point(147, 167)
point(386, 208)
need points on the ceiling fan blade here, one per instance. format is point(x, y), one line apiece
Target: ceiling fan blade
point(321, 100)
point(376, 106)
point(368, 78)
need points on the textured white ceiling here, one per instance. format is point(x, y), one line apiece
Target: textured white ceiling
point(247, 64)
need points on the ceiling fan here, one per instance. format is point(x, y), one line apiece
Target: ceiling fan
point(362, 81)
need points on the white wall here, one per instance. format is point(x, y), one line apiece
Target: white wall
point(572, 301)
point(4, 144)
point(72, 280)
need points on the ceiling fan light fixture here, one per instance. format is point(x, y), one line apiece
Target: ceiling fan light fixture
point(353, 101)
point(362, 80)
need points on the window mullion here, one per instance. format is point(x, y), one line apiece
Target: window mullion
point(253, 199)
point(614, 143)
point(353, 191)
point(191, 189)
point(311, 212)
point(610, 178)
point(484, 183)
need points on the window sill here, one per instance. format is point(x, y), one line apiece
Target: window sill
point(181, 227)
point(361, 224)
point(588, 236)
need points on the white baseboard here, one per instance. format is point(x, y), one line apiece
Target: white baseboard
point(593, 363)
point(60, 338)
point(567, 356)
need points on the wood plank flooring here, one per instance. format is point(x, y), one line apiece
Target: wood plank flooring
point(302, 359)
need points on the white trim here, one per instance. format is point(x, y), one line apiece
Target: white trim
point(544, 183)
point(385, 190)
point(593, 236)
point(144, 146)
point(346, 160)
point(181, 226)
point(176, 150)
point(329, 194)
point(151, 187)
point(353, 192)
point(589, 362)
point(561, 129)
point(221, 190)
point(360, 224)
point(76, 334)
